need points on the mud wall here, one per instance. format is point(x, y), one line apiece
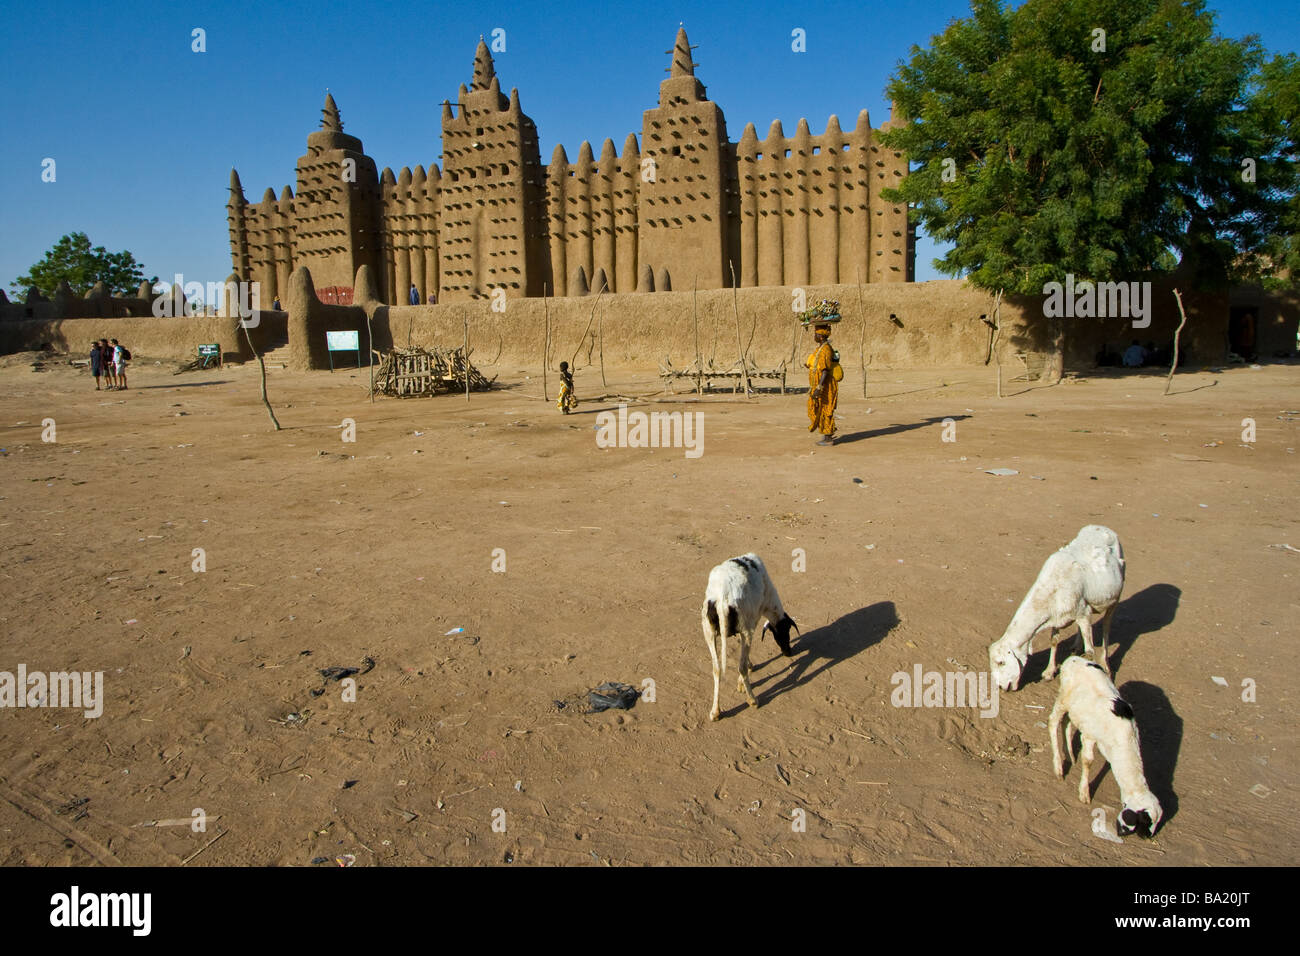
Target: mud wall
point(938, 323)
point(1204, 340)
point(146, 336)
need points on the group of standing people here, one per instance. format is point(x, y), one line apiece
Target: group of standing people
point(108, 360)
point(413, 296)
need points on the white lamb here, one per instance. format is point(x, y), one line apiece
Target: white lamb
point(1085, 576)
point(739, 593)
point(1089, 701)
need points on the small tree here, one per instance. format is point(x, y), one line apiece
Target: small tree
point(73, 259)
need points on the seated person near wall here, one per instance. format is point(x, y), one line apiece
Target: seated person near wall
point(1135, 355)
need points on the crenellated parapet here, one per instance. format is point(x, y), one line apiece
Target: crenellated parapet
point(682, 206)
point(810, 206)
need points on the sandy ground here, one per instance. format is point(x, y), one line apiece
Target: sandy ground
point(323, 553)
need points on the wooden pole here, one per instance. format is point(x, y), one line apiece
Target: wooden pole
point(699, 359)
point(997, 333)
point(573, 361)
point(717, 321)
point(600, 334)
point(464, 359)
point(261, 364)
point(735, 305)
point(546, 341)
point(370, 349)
point(753, 330)
point(695, 317)
point(862, 341)
point(1173, 366)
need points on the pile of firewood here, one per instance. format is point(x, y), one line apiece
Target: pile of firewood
point(416, 371)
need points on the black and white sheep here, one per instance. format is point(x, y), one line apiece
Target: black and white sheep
point(1089, 702)
point(740, 592)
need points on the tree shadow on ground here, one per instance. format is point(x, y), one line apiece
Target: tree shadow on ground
point(895, 429)
point(221, 381)
point(912, 391)
point(1184, 391)
point(1030, 388)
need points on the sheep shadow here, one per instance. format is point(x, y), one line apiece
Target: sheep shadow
point(1160, 736)
point(827, 646)
point(894, 429)
point(1150, 610)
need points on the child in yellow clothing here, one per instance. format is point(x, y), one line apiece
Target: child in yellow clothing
point(824, 391)
point(567, 401)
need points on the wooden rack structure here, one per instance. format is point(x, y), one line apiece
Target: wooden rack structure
point(404, 373)
point(703, 374)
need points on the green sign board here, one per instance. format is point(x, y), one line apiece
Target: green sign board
point(345, 341)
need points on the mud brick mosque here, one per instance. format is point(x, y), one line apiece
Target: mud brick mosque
point(685, 208)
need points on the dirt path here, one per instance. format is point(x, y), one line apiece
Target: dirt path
point(320, 553)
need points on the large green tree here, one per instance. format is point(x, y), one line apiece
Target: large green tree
point(1095, 137)
point(1277, 109)
point(73, 259)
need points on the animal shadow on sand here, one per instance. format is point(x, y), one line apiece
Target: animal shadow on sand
point(1146, 612)
point(1160, 736)
point(824, 647)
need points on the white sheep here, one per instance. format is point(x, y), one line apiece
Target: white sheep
point(739, 593)
point(1090, 702)
point(1085, 576)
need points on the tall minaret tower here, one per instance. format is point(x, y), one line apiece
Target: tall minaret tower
point(339, 187)
point(236, 218)
point(493, 225)
point(681, 214)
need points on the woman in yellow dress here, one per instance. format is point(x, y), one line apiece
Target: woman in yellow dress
point(824, 391)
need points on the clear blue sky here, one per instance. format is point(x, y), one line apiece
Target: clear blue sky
point(144, 132)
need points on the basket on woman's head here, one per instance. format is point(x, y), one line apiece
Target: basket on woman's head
point(823, 313)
